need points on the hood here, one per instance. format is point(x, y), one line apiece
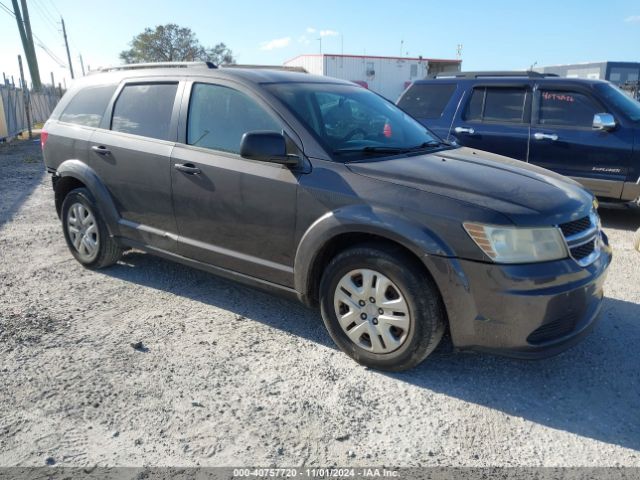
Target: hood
point(527, 194)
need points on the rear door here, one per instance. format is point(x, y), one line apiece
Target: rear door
point(563, 140)
point(232, 212)
point(131, 153)
point(495, 118)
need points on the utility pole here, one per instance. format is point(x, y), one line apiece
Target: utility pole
point(35, 76)
point(66, 43)
point(82, 65)
point(24, 28)
point(25, 96)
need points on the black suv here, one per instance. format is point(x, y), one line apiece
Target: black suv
point(586, 129)
point(322, 190)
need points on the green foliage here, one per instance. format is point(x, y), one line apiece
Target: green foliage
point(172, 43)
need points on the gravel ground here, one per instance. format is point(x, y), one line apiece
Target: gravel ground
point(227, 375)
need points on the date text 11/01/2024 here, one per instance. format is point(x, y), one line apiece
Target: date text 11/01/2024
point(315, 473)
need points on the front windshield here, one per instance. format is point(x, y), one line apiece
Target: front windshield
point(351, 122)
point(620, 100)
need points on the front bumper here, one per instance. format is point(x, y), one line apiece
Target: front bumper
point(525, 311)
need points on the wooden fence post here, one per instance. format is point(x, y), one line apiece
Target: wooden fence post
point(25, 96)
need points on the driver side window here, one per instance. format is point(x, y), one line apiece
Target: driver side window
point(219, 117)
point(564, 108)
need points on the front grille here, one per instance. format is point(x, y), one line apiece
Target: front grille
point(554, 329)
point(582, 238)
point(577, 226)
point(583, 250)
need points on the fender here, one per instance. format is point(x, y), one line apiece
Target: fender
point(363, 219)
point(84, 173)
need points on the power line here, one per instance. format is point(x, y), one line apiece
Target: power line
point(7, 9)
point(52, 29)
point(54, 7)
point(45, 14)
point(52, 55)
point(41, 43)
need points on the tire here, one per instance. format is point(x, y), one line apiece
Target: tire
point(407, 335)
point(81, 218)
point(636, 240)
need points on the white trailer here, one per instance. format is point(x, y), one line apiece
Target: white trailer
point(388, 76)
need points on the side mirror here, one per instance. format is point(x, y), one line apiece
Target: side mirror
point(266, 147)
point(604, 121)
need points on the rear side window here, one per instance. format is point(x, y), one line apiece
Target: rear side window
point(504, 105)
point(426, 101)
point(219, 117)
point(88, 105)
point(145, 110)
point(566, 109)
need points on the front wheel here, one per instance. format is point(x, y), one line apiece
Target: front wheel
point(85, 232)
point(381, 308)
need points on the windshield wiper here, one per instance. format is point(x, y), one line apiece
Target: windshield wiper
point(370, 150)
point(429, 144)
point(388, 150)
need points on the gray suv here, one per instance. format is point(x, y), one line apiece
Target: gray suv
point(323, 191)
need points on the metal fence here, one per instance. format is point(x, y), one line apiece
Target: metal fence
point(13, 117)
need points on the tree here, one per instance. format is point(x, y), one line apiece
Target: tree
point(172, 43)
point(220, 55)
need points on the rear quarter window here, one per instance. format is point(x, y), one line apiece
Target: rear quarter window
point(425, 100)
point(145, 109)
point(88, 105)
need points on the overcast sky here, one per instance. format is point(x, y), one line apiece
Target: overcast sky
point(494, 34)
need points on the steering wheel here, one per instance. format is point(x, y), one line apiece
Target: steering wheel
point(352, 133)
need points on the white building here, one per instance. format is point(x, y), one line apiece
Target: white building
point(388, 76)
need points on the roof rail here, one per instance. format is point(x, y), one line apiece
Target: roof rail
point(515, 73)
point(138, 66)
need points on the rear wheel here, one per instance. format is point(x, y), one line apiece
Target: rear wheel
point(380, 308)
point(85, 232)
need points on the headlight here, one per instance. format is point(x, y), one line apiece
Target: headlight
point(518, 245)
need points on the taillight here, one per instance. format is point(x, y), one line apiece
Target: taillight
point(43, 138)
point(386, 131)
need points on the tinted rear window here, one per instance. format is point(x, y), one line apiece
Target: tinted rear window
point(145, 110)
point(506, 105)
point(426, 101)
point(88, 105)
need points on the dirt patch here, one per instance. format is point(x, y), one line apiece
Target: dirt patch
point(153, 363)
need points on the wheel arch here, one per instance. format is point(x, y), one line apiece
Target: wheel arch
point(336, 231)
point(72, 174)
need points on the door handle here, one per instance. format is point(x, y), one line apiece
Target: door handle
point(188, 168)
point(545, 136)
point(469, 131)
point(101, 149)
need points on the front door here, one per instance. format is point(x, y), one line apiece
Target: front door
point(495, 119)
point(131, 154)
point(231, 212)
point(563, 140)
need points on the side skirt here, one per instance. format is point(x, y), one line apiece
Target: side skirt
point(253, 282)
